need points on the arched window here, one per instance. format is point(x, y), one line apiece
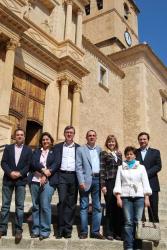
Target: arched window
point(126, 11)
point(99, 4)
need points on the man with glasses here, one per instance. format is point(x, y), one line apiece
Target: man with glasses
point(67, 183)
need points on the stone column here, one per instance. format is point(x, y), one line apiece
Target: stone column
point(68, 20)
point(79, 29)
point(6, 88)
point(51, 109)
point(75, 110)
point(63, 118)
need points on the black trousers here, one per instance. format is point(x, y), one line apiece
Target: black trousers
point(114, 215)
point(154, 199)
point(67, 191)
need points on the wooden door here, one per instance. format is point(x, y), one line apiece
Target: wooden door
point(27, 105)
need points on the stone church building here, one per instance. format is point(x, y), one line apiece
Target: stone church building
point(79, 62)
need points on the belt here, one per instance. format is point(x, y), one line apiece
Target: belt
point(95, 174)
point(67, 172)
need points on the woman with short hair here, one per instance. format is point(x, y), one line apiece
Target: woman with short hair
point(132, 190)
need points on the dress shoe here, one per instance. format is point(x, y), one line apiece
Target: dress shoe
point(67, 235)
point(18, 237)
point(34, 235)
point(97, 236)
point(83, 236)
point(2, 234)
point(59, 235)
point(110, 237)
point(118, 237)
point(42, 237)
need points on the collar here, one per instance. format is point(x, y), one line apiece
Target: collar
point(69, 145)
point(125, 165)
point(19, 146)
point(91, 148)
point(144, 149)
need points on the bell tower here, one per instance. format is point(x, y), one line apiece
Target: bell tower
point(112, 25)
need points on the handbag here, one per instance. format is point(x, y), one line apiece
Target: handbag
point(146, 230)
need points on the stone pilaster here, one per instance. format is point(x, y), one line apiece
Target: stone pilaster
point(68, 20)
point(51, 109)
point(6, 87)
point(79, 29)
point(76, 109)
point(63, 118)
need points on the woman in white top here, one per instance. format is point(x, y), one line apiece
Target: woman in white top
point(132, 190)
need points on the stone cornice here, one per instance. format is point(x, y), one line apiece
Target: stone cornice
point(70, 64)
point(58, 64)
point(107, 61)
point(138, 51)
point(12, 21)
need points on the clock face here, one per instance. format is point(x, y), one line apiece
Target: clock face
point(128, 38)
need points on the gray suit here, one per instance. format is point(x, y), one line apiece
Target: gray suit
point(92, 183)
point(84, 165)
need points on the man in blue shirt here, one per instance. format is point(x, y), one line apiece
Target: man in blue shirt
point(87, 169)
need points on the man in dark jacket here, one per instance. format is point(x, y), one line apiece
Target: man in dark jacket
point(151, 159)
point(15, 164)
point(67, 182)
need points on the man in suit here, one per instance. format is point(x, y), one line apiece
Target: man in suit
point(15, 164)
point(151, 159)
point(88, 174)
point(67, 184)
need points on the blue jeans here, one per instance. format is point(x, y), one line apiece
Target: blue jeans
point(132, 210)
point(96, 208)
point(41, 210)
point(7, 192)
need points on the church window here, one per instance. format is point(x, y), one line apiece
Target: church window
point(126, 11)
point(87, 9)
point(100, 4)
point(103, 75)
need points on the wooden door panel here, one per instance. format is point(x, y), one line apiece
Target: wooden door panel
point(20, 80)
point(17, 102)
point(35, 111)
point(37, 89)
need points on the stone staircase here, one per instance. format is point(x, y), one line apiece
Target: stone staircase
point(8, 242)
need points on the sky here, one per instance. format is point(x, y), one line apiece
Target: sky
point(152, 22)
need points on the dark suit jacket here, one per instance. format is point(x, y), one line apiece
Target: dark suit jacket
point(152, 163)
point(51, 163)
point(58, 151)
point(8, 165)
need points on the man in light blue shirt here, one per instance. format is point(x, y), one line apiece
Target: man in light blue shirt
point(87, 169)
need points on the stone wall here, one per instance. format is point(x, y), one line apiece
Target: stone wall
point(101, 108)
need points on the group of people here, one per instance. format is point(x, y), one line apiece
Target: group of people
point(127, 185)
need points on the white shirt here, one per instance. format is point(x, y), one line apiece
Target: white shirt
point(143, 153)
point(18, 150)
point(68, 157)
point(132, 182)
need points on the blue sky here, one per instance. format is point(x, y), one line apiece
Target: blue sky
point(153, 25)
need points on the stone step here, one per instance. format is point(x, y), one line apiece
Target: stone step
point(8, 243)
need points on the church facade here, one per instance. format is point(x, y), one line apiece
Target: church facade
point(79, 62)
